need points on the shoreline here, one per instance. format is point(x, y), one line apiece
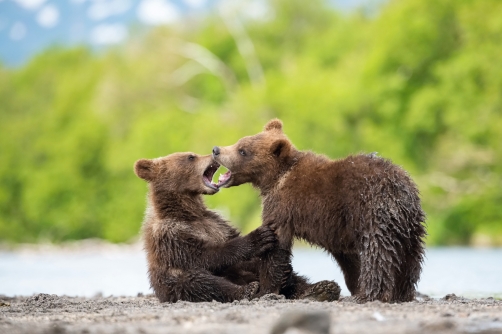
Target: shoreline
point(100, 245)
point(44, 313)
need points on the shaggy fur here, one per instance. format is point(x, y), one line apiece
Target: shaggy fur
point(364, 210)
point(195, 255)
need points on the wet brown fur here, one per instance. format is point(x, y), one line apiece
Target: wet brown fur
point(364, 210)
point(193, 254)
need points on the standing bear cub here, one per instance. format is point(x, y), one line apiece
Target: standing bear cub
point(193, 254)
point(364, 210)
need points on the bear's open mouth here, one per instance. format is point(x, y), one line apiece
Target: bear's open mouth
point(207, 177)
point(224, 179)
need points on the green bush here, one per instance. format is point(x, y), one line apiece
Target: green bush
point(418, 81)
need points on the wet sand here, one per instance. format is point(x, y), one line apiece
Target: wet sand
point(45, 313)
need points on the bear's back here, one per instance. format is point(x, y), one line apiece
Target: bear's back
point(369, 178)
point(339, 196)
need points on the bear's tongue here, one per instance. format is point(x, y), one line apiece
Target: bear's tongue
point(224, 178)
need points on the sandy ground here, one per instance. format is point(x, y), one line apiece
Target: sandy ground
point(45, 313)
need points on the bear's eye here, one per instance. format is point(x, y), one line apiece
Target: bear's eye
point(191, 157)
point(242, 152)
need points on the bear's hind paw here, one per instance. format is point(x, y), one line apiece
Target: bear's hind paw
point(322, 291)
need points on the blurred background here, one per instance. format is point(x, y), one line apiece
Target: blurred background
point(87, 87)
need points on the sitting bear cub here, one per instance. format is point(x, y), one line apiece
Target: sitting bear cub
point(194, 254)
point(190, 249)
point(364, 210)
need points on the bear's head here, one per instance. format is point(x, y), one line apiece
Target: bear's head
point(257, 159)
point(179, 173)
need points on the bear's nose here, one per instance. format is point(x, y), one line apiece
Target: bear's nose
point(216, 150)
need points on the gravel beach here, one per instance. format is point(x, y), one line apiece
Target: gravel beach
point(44, 313)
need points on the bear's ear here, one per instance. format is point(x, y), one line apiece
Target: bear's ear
point(280, 148)
point(144, 169)
point(274, 124)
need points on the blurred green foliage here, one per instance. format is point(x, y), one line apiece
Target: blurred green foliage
point(419, 81)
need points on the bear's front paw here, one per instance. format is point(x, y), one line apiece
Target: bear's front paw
point(323, 291)
point(263, 240)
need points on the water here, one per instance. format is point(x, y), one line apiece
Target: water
point(470, 272)
point(463, 271)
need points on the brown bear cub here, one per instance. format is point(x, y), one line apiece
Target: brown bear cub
point(364, 210)
point(194, 254)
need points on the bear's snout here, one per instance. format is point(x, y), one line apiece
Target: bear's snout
point(216, 151)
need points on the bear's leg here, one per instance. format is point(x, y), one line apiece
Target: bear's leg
point(202, 286)
point(409, 274)
point(379, 265)
point(404, 290)
point(275, 268)
point(275, 271)
point(351, 267)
